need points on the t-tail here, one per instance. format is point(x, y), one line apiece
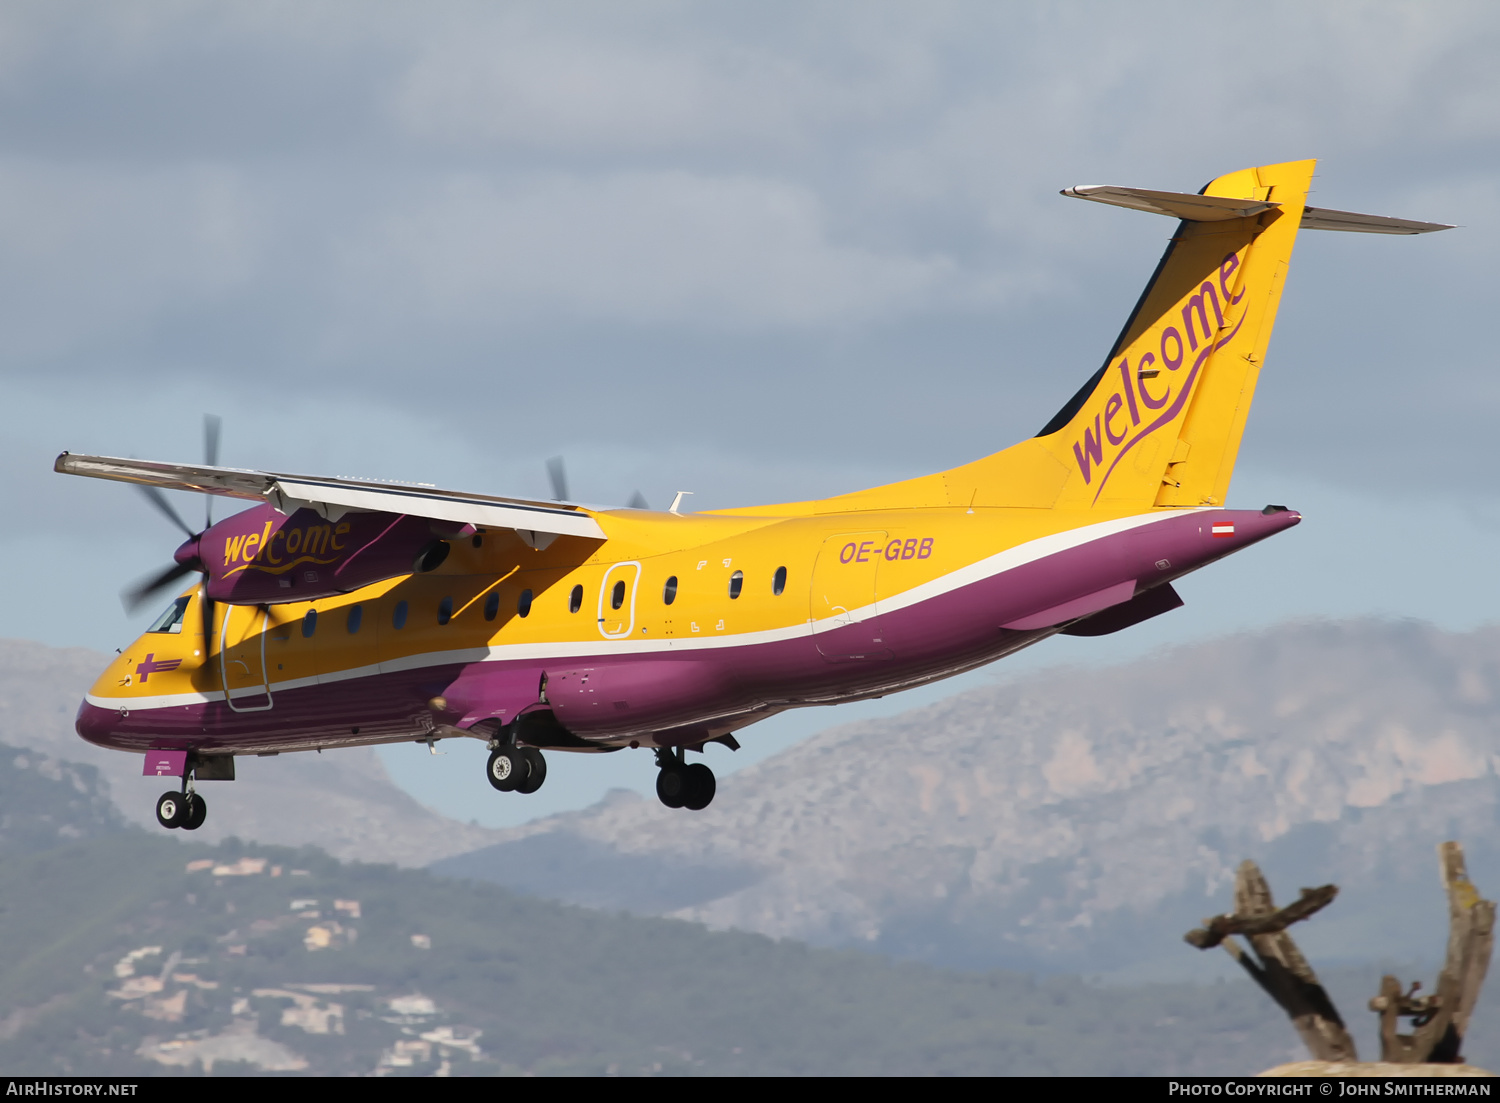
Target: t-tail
point(1159, 424)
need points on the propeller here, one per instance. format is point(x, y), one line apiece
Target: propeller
point(188, 559)
point(558, 475)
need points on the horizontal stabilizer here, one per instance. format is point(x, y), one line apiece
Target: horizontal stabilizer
point(1215, 208)
point(1316, 218)
point(1174, 204)
point(330, 496)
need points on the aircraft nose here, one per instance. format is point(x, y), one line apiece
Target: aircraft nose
point(94, 723)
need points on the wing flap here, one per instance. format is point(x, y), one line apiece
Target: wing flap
point(337, 496)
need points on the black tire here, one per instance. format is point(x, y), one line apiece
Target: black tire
point(672, 786)
point(701, 787)
point(171, 809)
point(196, 814)
point(507, 768)
point(537, 772)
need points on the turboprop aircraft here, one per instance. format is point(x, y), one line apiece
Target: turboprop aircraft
point(339, 612)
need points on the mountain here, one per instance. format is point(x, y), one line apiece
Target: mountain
point(135, 955)
point(1082, 820)
point(344, 801)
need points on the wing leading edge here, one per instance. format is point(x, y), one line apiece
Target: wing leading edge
point(333, 497)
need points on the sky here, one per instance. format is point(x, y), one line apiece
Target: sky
point(759, 252)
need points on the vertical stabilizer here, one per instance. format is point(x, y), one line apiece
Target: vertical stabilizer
point(1162, 421)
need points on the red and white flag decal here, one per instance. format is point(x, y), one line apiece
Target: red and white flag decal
point(1225, 529)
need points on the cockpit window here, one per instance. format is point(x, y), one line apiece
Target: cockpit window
point(171, 620)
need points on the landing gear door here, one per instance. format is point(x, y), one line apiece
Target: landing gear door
point(242, 658)
point(843, 597)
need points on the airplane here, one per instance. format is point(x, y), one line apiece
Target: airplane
point(339, 612)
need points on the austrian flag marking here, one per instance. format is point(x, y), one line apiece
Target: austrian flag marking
point(1225, 529)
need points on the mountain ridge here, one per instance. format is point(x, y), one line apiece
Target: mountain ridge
point(1057, 817)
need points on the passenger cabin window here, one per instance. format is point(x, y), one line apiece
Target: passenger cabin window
point(492, 607)
point(171, 620)
point(617, 595)
point(779, 582)
point(736, 584)
point(309, 624)
point(669, 591)
point(523, 604)
point(575, 599)
point(398, 617)
point(356, 614)
point(445, 610)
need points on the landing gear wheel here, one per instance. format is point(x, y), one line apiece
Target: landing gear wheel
point(701, 787)
point(673, 786)
point(196, 815)
point(537, 770)
point(508, 768)
point(171, 809)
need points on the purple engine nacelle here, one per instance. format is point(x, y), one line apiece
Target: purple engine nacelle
point(264, 557)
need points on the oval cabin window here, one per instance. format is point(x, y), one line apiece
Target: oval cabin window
point(309, 624)
point(669, 591)
point(445, 610)
point(356, 615)
point(575, 599)
point(523, 604)
point(617, 595)
point(779, 582)
point(398, 615)
point(736, 583)
point(492, 607)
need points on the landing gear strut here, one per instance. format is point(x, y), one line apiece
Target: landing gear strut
point(514, 769)
point(679, 785)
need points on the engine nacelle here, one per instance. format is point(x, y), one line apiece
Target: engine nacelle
point(264, 557)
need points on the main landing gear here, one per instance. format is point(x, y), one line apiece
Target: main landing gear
point(679, 785)
point(186, 809)
point(514, 769)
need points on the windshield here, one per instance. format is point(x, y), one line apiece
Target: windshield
point(171, 620)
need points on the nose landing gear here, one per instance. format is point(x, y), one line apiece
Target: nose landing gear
point(679, 785)
point(186, 810)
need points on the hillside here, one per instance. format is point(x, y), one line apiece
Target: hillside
point(131, 954)
point(1081, 820)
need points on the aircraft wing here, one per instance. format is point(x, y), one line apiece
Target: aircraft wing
point(333, 497)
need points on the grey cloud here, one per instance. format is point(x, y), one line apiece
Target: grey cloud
point(838, 221)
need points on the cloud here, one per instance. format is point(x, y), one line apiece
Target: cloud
point(90, 258)
point(641, 248)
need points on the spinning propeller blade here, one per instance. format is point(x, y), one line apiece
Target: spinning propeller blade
point(638, 501)
point(141, 592)
point(212, 423)
point(136, 595)
point(159, 500)
point(559, 477)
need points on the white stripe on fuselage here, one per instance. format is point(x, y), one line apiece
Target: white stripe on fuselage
point(989, 567)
